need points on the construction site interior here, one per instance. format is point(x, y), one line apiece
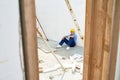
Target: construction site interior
point(22, 21)
point(53, 23)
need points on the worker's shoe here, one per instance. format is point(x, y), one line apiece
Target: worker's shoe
point(58, 46)
point(67, 48)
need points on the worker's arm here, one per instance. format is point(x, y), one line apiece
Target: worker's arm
point(70, 36)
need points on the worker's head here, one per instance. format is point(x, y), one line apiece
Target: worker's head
point(72, 31)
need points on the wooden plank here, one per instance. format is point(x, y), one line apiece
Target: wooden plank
point(40, 25)
point(94, 39)
point(87, 44)
point(29, 38)
point(107, 43)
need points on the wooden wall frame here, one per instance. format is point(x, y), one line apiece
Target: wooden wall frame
point(101, 39)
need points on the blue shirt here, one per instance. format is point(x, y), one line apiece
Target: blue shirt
point(75, 37)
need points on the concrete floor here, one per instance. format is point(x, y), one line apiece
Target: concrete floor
point(61, 51)
point(70, 59)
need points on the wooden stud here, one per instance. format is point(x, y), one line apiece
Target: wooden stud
point(94, 38)
point(87, 44)
point(101, 39)
point(107, 43)
point(29, 38)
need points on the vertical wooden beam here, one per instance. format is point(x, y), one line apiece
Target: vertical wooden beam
point(114, 42)
point(88, 23)
point(107, 43)
point(94, 38)
point(101, 39)
point(28, 23)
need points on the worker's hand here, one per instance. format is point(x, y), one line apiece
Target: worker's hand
point(63, 37)
point(68, 37)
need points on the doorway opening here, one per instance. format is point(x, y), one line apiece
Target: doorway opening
point(54, 19)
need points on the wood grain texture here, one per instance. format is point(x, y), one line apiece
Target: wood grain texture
point(107, 43)
point(101, 39)
point(96, 11)
point(29, 38)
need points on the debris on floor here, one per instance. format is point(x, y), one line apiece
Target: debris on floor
point(71, 60)
point(76, 58)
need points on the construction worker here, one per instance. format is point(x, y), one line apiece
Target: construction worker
point(70, 40)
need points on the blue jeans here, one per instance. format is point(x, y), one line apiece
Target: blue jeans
point(70, 42)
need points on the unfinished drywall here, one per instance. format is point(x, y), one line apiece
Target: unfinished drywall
point(56, 19)
point(10, 65)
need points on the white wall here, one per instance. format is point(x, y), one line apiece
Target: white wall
point(10, 67)
point(53, 15)
point(56, 19)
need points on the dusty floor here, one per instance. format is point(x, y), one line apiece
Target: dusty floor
point(71, 59)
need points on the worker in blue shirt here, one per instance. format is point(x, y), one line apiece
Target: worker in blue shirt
point(70, 40)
